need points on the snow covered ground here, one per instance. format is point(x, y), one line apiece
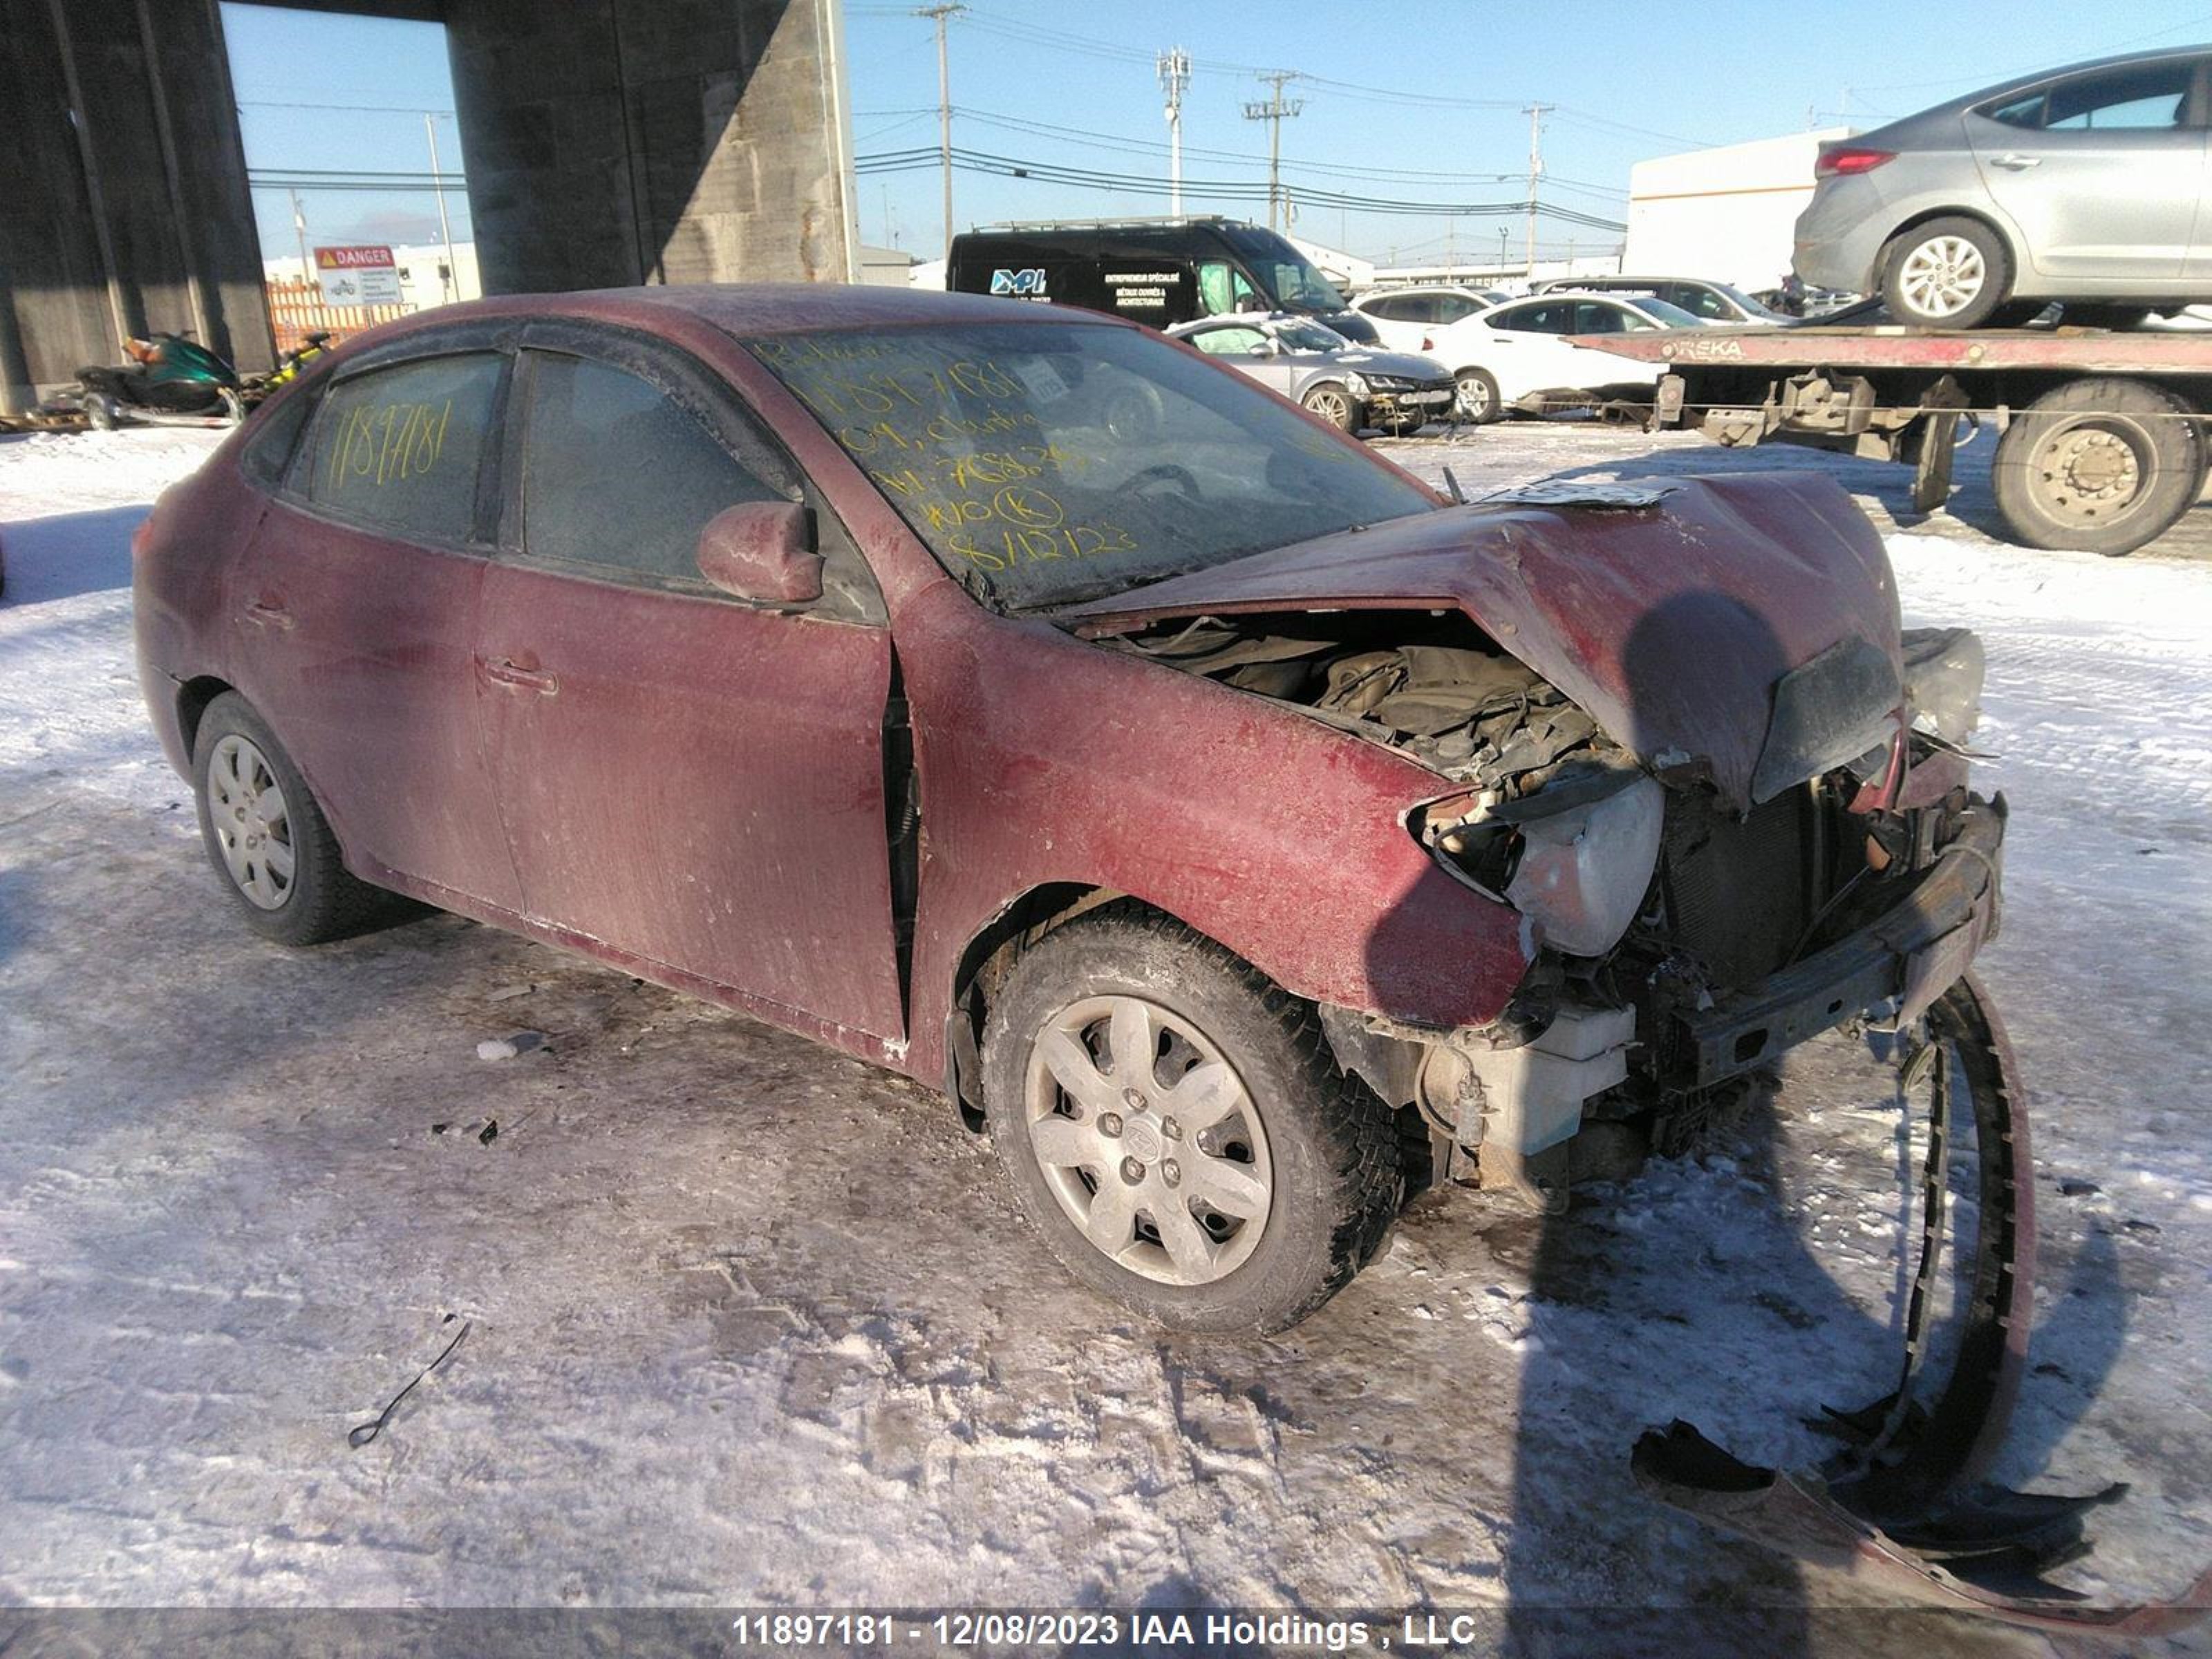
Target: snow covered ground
point(752, 1323)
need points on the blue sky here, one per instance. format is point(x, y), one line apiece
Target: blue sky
point(1069, 84)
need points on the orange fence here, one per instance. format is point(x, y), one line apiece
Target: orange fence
point(296, 310)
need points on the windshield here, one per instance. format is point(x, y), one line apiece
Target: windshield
point(1309, 336)
point(1295, 281)
point(1046, 463)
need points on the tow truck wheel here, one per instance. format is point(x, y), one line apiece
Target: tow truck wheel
point(2098, 465)
point(1175, 1126)
point(1948, 273)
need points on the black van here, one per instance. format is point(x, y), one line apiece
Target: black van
point(1159, 271)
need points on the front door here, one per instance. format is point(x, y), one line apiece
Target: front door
point(2102, 174)
point(686, 777)
point(358, 600)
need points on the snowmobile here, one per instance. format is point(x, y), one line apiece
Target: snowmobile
point(170, 379)
point(290, 365)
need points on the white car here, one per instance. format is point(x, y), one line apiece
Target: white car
point(1347, 385)
point(1404, 317)
point(1522, 356)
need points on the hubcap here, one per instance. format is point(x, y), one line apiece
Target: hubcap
point(1148, 1139)
point(252, 826)
point(1943, 275)
point(1474, 397)
point(2087, 475)
point(1330, 407)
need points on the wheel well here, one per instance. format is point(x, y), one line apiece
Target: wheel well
point(2012, 253)
point(193, 697)
point(984, 965)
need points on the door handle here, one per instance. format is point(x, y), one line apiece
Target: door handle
point(2016, 163)
point(503, 673)
point(268, 613)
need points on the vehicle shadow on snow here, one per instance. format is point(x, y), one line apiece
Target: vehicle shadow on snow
point(69, 554)
point(1702, 1289)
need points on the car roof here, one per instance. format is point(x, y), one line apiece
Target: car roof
point(748, 310)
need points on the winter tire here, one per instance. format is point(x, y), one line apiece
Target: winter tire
point(2100, 466)
point(1173, 1125)
point(265, 835)
point(1948, 273)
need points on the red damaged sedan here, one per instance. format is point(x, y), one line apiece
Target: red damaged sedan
point(1019, 701)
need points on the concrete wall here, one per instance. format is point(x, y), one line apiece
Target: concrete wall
point(125, 208)
point(612, 142)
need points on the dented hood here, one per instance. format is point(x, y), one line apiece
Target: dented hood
point(1672, 619)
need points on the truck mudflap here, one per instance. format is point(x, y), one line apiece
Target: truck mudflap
point(1905, 1504)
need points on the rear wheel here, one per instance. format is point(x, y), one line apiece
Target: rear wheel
point(1948, 273)
point(265, 835)
point(1175, 1126)
point(1478, 403)
point(102, 411)
point(1334, 404)
point(2101, 465)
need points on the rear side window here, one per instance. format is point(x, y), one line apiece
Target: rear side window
point(398, 447)
point(2154, 96)
point(619, 480)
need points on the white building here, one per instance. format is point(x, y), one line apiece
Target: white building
point(1725, 214)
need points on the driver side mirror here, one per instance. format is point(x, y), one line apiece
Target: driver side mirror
point(1268, 347)
point(762, 551)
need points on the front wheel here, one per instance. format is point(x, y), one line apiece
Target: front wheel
point(1334, 404)
point(1175, 1126)
point(1948, 273)
point(2098, 465)
point(1478, 402)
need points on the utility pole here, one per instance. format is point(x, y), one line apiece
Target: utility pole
point(1272, 113)
point(1174, 65)
point(940, 14)
point(452, 283)
point(1535, 113)
point(1502, 234)
point(300, 229)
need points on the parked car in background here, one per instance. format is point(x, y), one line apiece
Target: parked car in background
point(1708, 301)
point(1348, 386)
point(1006, 696)
point(1526, 355)
point(1155, 272)
point(1404, 317)
point(2082, 186)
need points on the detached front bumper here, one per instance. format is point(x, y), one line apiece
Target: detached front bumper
point(1909, 956)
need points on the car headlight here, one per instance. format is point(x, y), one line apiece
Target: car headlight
point(1355, 383)
point(1576, 857)
point(1390, 383)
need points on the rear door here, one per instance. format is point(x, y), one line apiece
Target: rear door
point(2102, 174)
point(1528, 350)
point(692, 778)
point(358, 600)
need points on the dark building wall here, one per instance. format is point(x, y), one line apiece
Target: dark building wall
point(134, 217)
point(612, 142)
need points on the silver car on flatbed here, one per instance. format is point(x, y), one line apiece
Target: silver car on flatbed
point(2080, 184)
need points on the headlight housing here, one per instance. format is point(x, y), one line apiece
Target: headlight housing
point(1355, 383)
point(1576, 857)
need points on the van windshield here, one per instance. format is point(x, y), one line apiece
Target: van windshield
point(1297, 283)
point(1043, 464)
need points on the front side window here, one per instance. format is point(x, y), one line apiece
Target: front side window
point(1047, 463)
point(1451, 307)
point(1594, 317)
point(1556, 317)
point(1229, 342)
point(398, 447)
point(1222, 289)
point(616, 479)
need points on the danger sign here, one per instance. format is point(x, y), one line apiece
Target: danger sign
point(358, 275)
